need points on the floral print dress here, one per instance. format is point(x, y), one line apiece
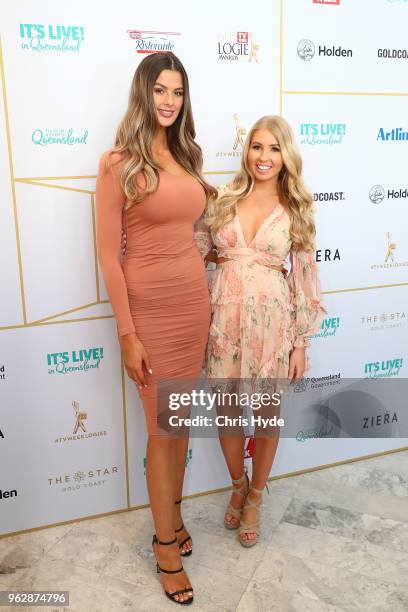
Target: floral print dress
point(258, 313)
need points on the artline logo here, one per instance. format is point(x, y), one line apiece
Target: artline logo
point(379, 420)
point(83, 480)
point(79, 425)
point(326, 2)
point(322, 133)
point(395, 134)
point(40, 37)
point(75, 361)
point(327, 255)
point(315, 383)
point(329, 196)
point(393, 53)
point(377, 194)
point(239, 141)
point(385, 320)
point(150, 41)
point(237, 46)
point(329, 327)
point(65, 137)
point(7, 494)
point(389, 255)
point(306, 50)
point(383, 369)
point(2, 372)
point(189, 458)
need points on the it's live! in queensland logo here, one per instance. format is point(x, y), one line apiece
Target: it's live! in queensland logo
point(79, 360)
point(383, 369)
point(322, 133)
point(51, 37)
point(152, 41)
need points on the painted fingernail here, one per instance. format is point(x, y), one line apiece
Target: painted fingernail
point(150, 371)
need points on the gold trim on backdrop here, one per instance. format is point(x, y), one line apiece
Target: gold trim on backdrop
point(98, 296)
point(343, 93)
point(49, 186)
point(131, 508)
point(27, 179)
point(61, 314)
point(13, 187)
point(122, 368)
point(366, 288)
point(281, 60)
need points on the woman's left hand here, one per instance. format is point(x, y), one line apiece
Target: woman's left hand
point(297, 363)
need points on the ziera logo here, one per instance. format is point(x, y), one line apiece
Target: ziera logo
point(65, 137)
point(383, 369)
point(237, 46)
point(322, 133)
point(329, 327)
point(150, 41)
point(1, 435)
point(306, 50)
point(42, 37)
point(377, 194)
point(81, 360)
point(327, 255)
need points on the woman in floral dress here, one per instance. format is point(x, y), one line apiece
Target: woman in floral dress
point(261, 317)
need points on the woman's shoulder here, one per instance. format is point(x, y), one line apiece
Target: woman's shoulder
point(110, 159)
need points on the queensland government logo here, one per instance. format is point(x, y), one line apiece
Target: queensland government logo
point(81, 360)
point(329, 196)
point(377, 194)
point(238, 142)
point(59, 38)
point(393, 135)
point(79, 429)
point(151, 41)
point(322, 133)
point(45, 137)
point(306, 50)
point(71, 483)
point(328, 327)
point(383, 369)
point(384, 320)
point(237, 46)
point(317, 382)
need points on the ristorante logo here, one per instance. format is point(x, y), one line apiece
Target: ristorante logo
point(307, 49)
point(2, 372)
point(377, 194)
point(151, 41)
point(329, 196)
point(81, 360)
point(7, 494)
point(384, 320)
point(237, 46)
point(389, 259)
point(79, 428)
point(383, 369)
point(393, 135)
point(329, 327)
point(327, 255)
point(69, 483)
point(238, 142)
point(322, 133)
point(45, 137)
point(60, 38)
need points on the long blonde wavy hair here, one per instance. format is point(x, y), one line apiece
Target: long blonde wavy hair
point(293, 195)
point(138, 127)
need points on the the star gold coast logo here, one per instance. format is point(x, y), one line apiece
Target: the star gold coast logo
point(238, 142)
point(79, 429)
point(70, 483)
point(389, 258)
point(384, 320)
point(237, 46)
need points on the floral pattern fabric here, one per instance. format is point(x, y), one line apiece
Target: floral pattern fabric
point(258, 313)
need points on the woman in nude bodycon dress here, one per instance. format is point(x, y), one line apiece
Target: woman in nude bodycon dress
point(150, 183)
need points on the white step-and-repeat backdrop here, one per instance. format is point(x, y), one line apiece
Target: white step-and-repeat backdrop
point(72, 432)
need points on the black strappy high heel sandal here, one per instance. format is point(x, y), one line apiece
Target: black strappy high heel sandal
point(189, 552)
point(159, 569)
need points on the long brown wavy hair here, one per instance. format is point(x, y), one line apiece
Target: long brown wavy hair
point(137, 129)
point(293, 195)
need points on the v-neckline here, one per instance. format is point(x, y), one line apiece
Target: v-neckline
point(248, 245)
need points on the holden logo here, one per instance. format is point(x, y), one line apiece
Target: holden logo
point(377, 194)
point(306, 50)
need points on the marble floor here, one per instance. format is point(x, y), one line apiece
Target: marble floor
point(333, 540)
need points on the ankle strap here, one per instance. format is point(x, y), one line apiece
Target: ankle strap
point(157, 541)
point(178, 501)
point(242, 479)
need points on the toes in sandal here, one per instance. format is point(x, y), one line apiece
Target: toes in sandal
point(159, 569)
point(181, 544)
point(241, 490)
point(251, 527)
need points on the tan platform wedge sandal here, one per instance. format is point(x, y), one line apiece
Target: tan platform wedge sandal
point(253, 527)
point(242, 490)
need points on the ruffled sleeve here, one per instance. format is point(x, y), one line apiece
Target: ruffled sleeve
point(307, 307)
point(203, 237)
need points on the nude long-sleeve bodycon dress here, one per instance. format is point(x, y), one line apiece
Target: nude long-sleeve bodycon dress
point(159, 290)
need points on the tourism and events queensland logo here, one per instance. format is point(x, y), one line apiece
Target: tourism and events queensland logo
point(51, 37)
point(238, 141)
point(307, 50)
point(378, 194)
point(328, 328)
point(44, 137)
point(322, 133)
point(78, 360)
point(153, 41)
point(389, 261)
point(384, 368)
point(237, 46)
point(79, 429)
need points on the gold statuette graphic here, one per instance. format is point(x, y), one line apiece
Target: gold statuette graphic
point(240, 132)
point(391, 246)
point(80, 416)
point(253, 53)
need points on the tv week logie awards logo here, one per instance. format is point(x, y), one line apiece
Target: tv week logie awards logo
point(237, 47)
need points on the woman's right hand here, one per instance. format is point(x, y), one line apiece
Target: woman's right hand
point(136, 359)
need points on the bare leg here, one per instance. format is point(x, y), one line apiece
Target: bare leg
point(180, 468)
point(233, 450)
point(161, 482)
